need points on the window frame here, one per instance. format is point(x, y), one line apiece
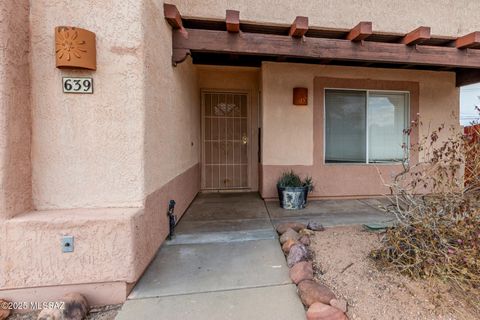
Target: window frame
point(408, 97)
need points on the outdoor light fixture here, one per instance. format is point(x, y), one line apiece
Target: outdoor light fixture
point(300, 96)
point(75, 48)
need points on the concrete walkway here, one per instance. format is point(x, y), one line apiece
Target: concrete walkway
point(226, 263)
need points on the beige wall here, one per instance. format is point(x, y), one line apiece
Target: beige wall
point(87, 150)
point(172, 100)
point(445, 17)
point(15, 121)
point(243, 79)
point(288, 131)
point(104, 165)
point(135, 133)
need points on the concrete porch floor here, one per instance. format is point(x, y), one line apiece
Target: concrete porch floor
point(225, 261)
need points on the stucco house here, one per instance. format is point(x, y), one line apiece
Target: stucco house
point(194, 96)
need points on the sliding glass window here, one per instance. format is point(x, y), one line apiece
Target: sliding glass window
point(365, 126)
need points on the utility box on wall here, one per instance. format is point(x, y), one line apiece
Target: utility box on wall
point(75, 48)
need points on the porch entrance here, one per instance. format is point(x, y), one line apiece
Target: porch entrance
point(225, 140)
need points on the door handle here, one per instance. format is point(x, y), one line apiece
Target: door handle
point(244, 139)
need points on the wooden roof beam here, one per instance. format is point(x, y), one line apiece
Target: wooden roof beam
point(172, 15)
point(417, 36)
point(360, 32)
point(256, 44)
point(471, 40)
point(466, 77)
point(233, 21)
point(299, 27)
point(174, 18)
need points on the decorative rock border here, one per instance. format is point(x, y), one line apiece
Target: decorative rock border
point(321, 302)
point(72, 306)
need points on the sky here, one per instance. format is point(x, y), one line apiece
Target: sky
point(469, 98)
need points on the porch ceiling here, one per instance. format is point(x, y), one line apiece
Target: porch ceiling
point(231, 42)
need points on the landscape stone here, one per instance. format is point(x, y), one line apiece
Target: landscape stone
point(305, 240)
point(301, 271)
point(298, 252)
point(50, 314)
point(296, 226)
point(76, 306)
point(290, 234)
point(4, 312)
point(340, 304)
point(315, 226)
point(287, 245)
point(311, 292)
point(321, 311)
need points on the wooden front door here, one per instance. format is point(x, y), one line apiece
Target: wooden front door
point(225, 136)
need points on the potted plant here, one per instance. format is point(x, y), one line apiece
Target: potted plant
point(293, 191)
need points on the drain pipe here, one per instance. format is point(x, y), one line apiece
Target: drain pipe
point(172, 219)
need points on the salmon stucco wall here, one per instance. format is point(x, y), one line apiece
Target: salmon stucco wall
point(15, 120)
point(87, 150)
point(445, 17)
point(172, 104)
point(290, 133)
point(111, 246)
point(104, 166)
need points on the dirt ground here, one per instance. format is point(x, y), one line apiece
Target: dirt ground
point(342, 263)
point(100, 313)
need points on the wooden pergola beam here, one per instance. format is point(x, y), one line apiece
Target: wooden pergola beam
point(466, 77)
point(471, 40)
point(417, 36)
point(174, 18)
point(233, 21)
point(360, 32)
point(213, 41)
point(299, 27)
point(172, 15)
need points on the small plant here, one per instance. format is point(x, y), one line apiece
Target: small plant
point(290, 179)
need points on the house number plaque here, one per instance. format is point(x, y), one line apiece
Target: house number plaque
point(77, 85)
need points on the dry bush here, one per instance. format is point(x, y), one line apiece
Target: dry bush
point(437, 229)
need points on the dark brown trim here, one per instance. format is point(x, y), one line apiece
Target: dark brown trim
point(232, 21)
point(360, 32)
point(212, 41)
point(417, 36)
point(172, 15)
point(174, 18)
point(299, 27)
point(179, 55)
point(471, 40)
point(466, 77)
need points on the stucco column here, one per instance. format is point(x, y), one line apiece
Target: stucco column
point(15, 120)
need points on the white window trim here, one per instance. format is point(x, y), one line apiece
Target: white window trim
point(367, 91)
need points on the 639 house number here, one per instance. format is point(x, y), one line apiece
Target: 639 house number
point(77, 85)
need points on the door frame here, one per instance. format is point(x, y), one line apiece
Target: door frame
point(250, 150)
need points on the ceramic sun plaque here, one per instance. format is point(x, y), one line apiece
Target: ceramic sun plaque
point(75, 48)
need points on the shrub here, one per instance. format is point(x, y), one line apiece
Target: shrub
point(437, 229)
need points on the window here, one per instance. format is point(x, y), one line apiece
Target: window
point(365, 126)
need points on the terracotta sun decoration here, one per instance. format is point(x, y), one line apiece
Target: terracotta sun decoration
point(75, 48)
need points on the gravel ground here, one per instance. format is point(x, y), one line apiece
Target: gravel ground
point(96, 313)
point(342, 263)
